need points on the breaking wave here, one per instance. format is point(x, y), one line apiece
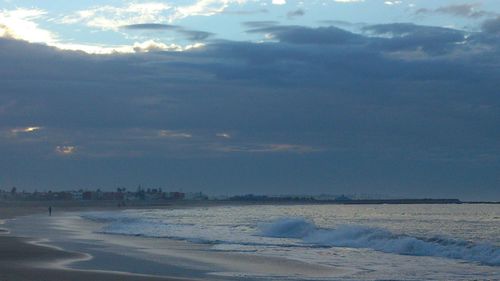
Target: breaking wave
point(297, 232)
point(381, 240)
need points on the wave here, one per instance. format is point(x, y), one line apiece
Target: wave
point(299, 233)
point(381, 240)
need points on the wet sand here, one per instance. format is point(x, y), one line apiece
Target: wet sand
point(22, 260)
point(75, 251)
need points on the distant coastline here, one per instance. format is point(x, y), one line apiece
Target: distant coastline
point(361, 201)
point(157, 197)
point(207, 203)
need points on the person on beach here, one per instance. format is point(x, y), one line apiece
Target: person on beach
point(50, 211)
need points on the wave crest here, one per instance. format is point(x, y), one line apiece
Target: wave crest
point(381, 240)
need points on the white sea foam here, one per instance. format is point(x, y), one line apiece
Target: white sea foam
point(242, 229)
point(381, 240)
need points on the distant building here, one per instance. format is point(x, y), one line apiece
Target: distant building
point(177, 195)
point(77, 195)
point(87, 195)
point(196, 196)
point(343, 198)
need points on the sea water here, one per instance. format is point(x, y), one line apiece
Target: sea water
point(404, 242)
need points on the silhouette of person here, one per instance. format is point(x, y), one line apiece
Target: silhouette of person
point(50, 211)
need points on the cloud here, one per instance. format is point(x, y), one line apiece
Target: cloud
point(151, 46)
point(6, 32)
point(260, 24)
point(154, 14)
point(136, 47)
point(492, 26)
point(192, 35)
point(306, 35)
point(268, 148)
point(16, 131)
point(203, 8)
point(278, 2)
point(149, 26)
point(113, 17)
point(296, 13)
point(21, 24)
point(461, 10)
point(23, 131)
point(429, 39)
point(317, 105)
point(349, 1)
point(65, 150)
point(390, 3)
point(196, 35)
point(173, 134)
point(245, 12)
point(223, 135)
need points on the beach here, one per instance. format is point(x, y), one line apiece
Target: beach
point(19, 262)
point(21, 259)
point(250, 140)
point(65, 247)
point(250, 242)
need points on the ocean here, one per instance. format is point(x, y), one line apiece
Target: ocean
point(368, 242)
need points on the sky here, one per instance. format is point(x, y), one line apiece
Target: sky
point(389, 97)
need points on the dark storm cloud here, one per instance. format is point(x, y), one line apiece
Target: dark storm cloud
point(403, 109)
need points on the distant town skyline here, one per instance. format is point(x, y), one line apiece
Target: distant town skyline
point(262, 96)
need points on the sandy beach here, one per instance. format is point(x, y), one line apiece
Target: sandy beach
point(65, 247)
point(100, 241)
point(23, 260)
point(19, 259)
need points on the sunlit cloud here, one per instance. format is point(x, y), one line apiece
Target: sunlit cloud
point(137, 47)
point(21, 24)
point(112, 17)
point(203, 8)
point(16, 131)
point(279, 2)
point(269, 148)
point(152, 45)
point(173, 134)
point(65, 149)
point(223, 135)
point(349, 1)
point(393, 2)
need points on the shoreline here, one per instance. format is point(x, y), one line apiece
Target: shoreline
point(21, 260)
point(139, 258)
point(28, 259)
point(76, 249)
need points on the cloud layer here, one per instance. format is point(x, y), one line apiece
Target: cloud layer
point(398, 108)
